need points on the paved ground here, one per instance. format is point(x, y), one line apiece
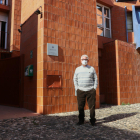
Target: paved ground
point(7, 112)
point(113, 123)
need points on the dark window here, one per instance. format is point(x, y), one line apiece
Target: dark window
point(2, 35)
point(129, 22)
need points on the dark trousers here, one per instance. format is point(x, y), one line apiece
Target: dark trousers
point(91, 98)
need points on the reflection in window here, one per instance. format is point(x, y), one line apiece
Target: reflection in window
point(99, 10)
point(100, 31)
point(99, 20)
point(3, 2)
point(106, 12)
point(103, 21)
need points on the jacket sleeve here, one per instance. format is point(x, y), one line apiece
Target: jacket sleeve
point(95, 79)
point(75, 80)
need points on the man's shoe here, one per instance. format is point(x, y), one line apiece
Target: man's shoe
point(80, 123)
point(92, 122)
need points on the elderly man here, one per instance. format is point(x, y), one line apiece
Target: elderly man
point(85, 82)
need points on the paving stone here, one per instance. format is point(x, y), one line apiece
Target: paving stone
point(113, 122)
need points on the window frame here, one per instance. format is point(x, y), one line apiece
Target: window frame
point(4, 18)
point(103, 19)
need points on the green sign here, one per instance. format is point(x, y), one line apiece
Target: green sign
point(29, 70)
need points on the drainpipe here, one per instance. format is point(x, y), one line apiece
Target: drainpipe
point(126, 23)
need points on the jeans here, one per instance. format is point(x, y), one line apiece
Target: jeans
point(91, 98)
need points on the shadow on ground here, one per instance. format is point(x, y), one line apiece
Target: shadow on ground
point(64, 128)
point(116, 117)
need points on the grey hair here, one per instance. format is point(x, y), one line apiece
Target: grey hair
point(85, 56)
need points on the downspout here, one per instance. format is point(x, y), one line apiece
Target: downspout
point(126, 23)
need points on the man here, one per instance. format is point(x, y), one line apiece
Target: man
point(85, 82)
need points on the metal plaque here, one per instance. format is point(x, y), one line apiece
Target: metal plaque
point(52, 49)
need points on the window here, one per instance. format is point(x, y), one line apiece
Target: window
point(3, 30)
point(4, 2)
point(129, 22)
point(103, 21)
point(2, 34)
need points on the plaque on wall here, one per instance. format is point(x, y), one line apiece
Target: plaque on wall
point(54, 81)
point(52, 49)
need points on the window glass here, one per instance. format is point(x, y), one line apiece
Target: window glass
point(129, 22)
point(107, 33)
point(2, 34)
point(106, 12)
point(99, 10)
point(103, 21)
point(107, 23)
point(100, 31)
point(99, 20)
point(3, 2)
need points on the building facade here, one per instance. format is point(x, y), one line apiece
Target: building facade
point(10, 19)
point(106, 30)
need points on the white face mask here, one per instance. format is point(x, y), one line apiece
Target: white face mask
point(84, 62)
